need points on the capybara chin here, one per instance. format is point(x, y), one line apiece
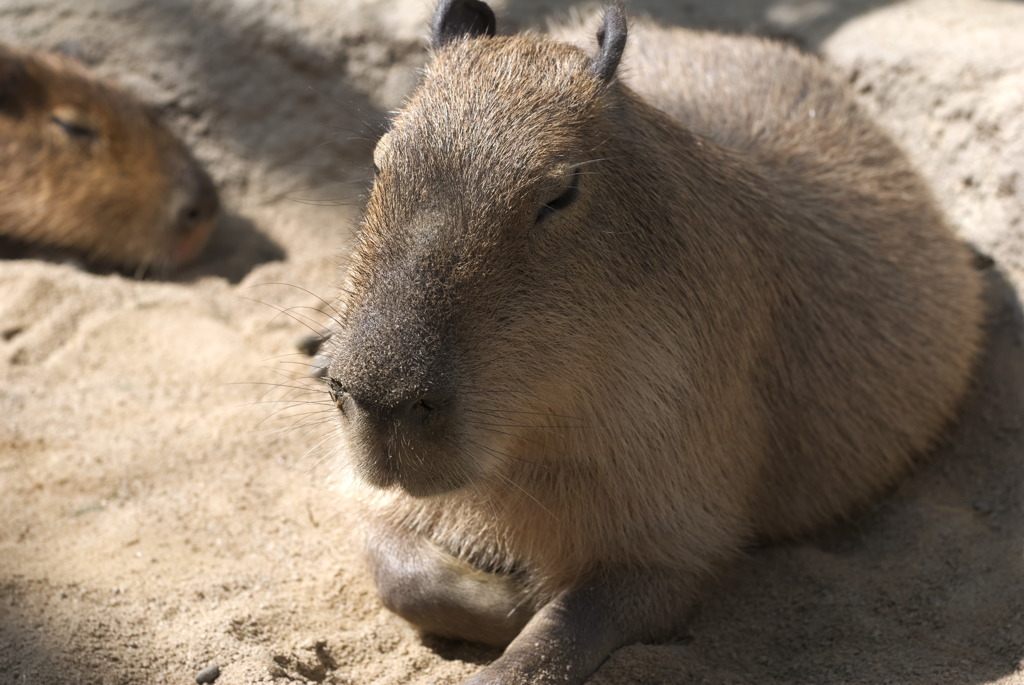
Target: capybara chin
point(606, 324)
point(88, 170)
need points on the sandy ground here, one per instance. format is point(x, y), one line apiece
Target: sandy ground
point(158, 515)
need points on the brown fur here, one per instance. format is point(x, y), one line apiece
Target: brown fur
point(747, 322)
point(86, 168)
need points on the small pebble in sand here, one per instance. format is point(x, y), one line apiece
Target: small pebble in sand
point(208, 674)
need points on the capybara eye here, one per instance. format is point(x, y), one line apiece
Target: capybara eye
point(73, 122)
point(563, 200)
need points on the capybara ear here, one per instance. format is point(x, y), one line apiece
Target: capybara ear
point(611, 41)
point(457, 18)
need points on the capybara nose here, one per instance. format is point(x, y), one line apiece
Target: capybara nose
point(422, 409)
point(194, 219)
point(198, 206)
point(406, 413)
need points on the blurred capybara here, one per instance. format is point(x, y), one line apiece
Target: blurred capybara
point(605, 325)
point(88, 170)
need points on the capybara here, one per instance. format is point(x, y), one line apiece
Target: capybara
point(605, 324)
point(88, 170)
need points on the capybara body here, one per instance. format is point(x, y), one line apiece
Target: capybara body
point(606, 324)
point(88, 170)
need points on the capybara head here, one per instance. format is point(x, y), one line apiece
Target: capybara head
point(87, 168)
point(466, 319)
